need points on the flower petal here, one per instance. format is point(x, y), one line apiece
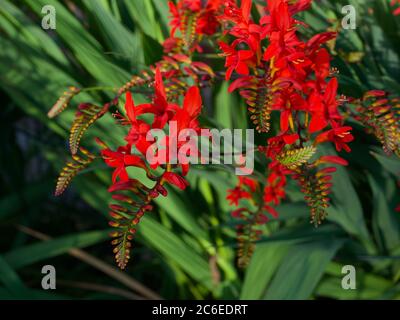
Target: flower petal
point(175, 179)
point(192, 102)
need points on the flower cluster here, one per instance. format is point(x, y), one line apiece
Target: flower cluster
point(174, 76)
point(194, 19)
point(293, 77)
point(248, 231)
point(278, 73)
point(138, 139)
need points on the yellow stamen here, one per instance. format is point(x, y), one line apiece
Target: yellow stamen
point(291, 124)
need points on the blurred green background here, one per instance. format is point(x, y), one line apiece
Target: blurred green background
point(185, 249)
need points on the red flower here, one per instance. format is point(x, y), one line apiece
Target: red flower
point(239, 213)
point(314, 44)
point(243, 190)
point(119, 160)
point(321, 64)
point(333, 159)
point(374, 94)
point(324, 108)
point(396, 12)
point(186, 117)
point(276, 144)
point(271, 211)
point(274, 191)
point(280, 28)
point(160, 108)
point(206, 16)
point(236, 194)
point(175, 19)
point(340, 136)
point(248, 182)
point(172, 44)
point(278, 19)
point(139, 129)
point(238, 61)
point(287, 102)
point(208, 23)
point(300, 5)
point(175, 179)
point(193, 5)
point(242, 26)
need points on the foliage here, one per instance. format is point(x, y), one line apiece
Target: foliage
point(187, 245)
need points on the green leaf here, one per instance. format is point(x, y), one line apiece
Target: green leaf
point(391, 164)
point(301, 270)
point(384, 218)
point(346, 209)
point(163, 10)
point(10, 278)
point(31, 31)
point(119, 39)
point(293, 210)
point(304, 232)
point(39, 251)
point(85, 47)
point(177, 209)
point(265, 261)
point(225, 103)
point(32, 194)
point(172, 247)
point(143, 14)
